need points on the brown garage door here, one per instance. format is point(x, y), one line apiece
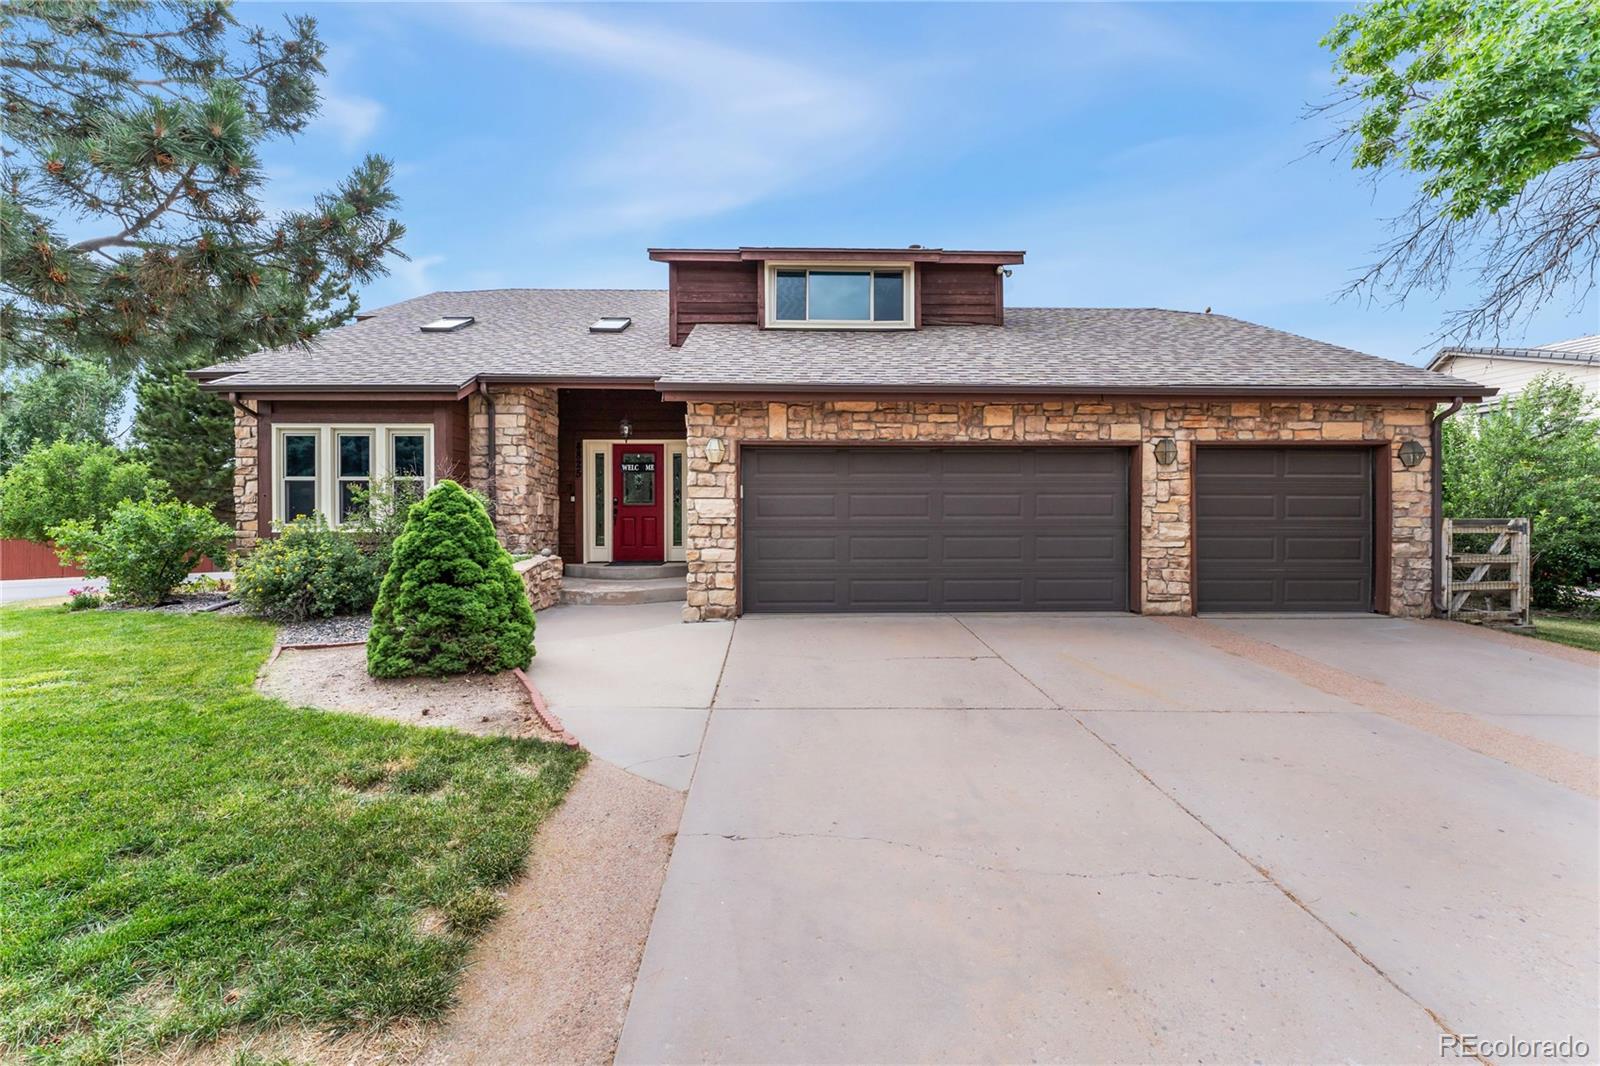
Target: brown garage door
point(1283, 529)
point(934, 529)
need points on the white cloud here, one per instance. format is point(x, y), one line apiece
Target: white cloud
point(348, 116)
point(351, 118)
point(715, 127)
point(410, 277)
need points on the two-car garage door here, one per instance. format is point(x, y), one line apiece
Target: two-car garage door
point(887, 528)
point(992, 528)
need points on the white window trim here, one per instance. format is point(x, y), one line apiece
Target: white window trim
point(382, 434)
point(596, 553)
point(770, 304)
point(374, 442)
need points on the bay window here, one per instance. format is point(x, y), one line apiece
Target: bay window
point(329, 469)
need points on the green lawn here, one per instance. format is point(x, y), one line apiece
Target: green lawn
point(180, 856)
point(1578, 631)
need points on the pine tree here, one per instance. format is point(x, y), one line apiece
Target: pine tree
point(140, 123)
point(452, 601)
point(185, 437)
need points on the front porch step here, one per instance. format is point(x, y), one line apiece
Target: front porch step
point(650, 590)
point(625, 571)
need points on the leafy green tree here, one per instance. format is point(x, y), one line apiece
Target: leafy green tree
point(140, 123)
point(451, 601)
point(185, 436)
point(1535, 455)
point(77, 401)
point(144, 549)
point(70, 481)
point(1494, 107)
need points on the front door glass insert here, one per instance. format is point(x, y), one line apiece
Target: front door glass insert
point(638, 478)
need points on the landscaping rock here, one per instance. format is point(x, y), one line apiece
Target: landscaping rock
point(340, 629)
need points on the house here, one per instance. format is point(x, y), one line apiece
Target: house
point(873, 429)
point(1510, 369)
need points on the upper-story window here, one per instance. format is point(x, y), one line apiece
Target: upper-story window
point(839, 297)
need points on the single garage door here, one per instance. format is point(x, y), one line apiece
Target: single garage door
point(935, 529)
point(1283, 529)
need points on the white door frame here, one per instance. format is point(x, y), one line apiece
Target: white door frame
point(597, 553)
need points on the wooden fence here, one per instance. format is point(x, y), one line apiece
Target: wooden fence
point(21, 560)
point(1489, 576)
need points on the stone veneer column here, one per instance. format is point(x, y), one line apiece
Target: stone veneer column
point(526, 504)
point(1165, 512)
point(709, 505)
point(246, 480)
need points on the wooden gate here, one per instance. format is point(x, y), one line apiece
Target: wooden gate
point(1490, 574)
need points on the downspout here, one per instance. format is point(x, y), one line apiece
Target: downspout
point(238, 405)
point(1436, 442)
point(483, 390)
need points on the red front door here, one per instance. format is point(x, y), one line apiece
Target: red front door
point(636, 509)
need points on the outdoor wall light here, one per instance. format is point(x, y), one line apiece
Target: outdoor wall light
point(1411, 453)
point(626, 429)
point(1166, 451)
point(715, 450)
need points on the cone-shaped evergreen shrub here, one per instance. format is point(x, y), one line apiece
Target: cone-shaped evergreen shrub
point(451, 602)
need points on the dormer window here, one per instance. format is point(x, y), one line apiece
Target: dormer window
point(839, 296)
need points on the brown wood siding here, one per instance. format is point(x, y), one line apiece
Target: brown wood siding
point(448, 418)
point(592, 414)
point(711, 292)
point(959, 294)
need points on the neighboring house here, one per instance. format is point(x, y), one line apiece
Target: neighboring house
point(850, 429)
point(1510, 369)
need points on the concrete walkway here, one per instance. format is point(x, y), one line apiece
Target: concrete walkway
point(1004, 838)
point(632, 683)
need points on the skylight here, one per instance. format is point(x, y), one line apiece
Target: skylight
point(611, 324)
point(447, 324)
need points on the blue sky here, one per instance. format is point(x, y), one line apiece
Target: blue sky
point(1143, 155)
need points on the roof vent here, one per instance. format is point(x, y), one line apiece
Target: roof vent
point(610, 324)
point(448, 324)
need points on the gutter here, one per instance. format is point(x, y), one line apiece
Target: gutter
point(239, 405)
point(1436, 443)
point(483, 390)
point(679, 389)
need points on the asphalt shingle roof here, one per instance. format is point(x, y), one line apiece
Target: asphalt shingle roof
point(1045, 347)
point(517, 331)
point(1582, 350)
point(544, 333)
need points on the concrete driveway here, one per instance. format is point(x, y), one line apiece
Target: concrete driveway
point(1007, 838)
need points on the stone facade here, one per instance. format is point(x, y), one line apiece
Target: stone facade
point(523, 492)
point(246, 480)
point(541, 576)
point(1165, 510)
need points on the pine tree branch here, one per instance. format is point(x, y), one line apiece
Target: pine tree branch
point(121, 240)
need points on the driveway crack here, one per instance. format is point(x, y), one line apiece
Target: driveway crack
point(942, 856)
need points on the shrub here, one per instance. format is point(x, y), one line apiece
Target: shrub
point(451, 601)
point(85, 599)
point(144, 549)
point(1534, 455)
point(70, 482)
point(306, 571)
point(380, 518)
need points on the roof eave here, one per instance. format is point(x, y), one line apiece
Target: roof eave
point(901, 255)
point(683, 389)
